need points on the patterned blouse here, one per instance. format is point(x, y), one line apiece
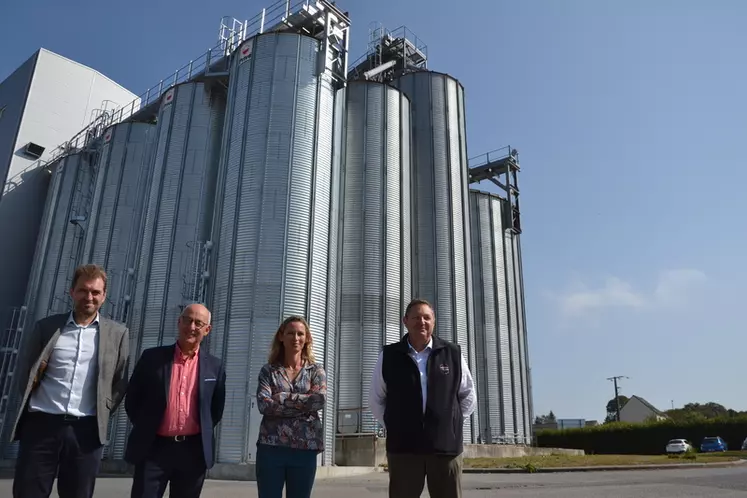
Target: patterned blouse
point(291, 409)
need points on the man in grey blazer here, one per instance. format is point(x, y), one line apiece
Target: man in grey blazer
point(72, 374)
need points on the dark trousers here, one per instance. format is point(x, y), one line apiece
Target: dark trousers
point(278, 466)
point(407, 475)
point(57, 446)
point(180, 464)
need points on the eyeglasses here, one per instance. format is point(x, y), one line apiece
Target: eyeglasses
point(197, 323)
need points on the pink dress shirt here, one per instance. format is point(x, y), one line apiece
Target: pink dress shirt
point(182, 416)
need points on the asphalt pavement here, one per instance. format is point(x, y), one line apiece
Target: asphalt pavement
point(687, 483)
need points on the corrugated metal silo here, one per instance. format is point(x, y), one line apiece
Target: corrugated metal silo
point(114, 228)
point(277, 192)
point(500, 334)
point(8, 449)
point(441, 236)
point(376, 278)
point(178, 212)
point(518, 336)
point(60, 245)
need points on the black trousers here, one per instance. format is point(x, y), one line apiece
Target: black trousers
point(57, 446)
point(181, 464)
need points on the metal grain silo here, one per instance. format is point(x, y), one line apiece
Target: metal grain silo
point(60, 245)
point(441, 236)
point(500, 333)
point(519, 355)
point(113, 230)
point(277, 193)
point(179, 198)
point(376, 278)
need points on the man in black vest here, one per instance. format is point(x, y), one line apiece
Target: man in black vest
point(422, 391)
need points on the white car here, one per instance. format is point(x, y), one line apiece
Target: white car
point(679, 446)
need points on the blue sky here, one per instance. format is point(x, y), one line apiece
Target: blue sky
point(628, 117)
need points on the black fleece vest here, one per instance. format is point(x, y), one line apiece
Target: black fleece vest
point(409, 430)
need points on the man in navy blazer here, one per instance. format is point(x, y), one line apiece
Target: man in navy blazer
point(174, 400)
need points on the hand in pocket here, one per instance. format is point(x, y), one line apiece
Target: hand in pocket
point(40, 373)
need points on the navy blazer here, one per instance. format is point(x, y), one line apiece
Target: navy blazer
point(148, 393)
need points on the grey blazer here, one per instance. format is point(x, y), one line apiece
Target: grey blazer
point(113, 356)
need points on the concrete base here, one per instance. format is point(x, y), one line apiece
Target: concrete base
point(369, 450)
point(366, 450)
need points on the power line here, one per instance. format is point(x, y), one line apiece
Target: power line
point(617, 401)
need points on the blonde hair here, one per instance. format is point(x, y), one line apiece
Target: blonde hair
point(277, 351)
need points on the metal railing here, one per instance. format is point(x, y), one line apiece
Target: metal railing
point(229, 38)
point(378, 34)
point(491, 157)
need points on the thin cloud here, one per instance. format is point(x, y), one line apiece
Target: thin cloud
point(672, 288)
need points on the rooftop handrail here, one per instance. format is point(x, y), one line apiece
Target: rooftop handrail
point(270, 16)
point(489, 157)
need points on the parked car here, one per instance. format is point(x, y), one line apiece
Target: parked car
point(744, 445)
point(679, 446)
point(713, 444)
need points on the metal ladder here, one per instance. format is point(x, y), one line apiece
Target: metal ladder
point(9, 346)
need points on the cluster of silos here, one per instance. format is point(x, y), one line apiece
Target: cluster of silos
point(285, 194)
point(275, 224)
point(376, 273)
point(502, 359)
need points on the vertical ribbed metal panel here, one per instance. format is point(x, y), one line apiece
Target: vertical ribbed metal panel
point(483, 209)
point(272, 225)
point(513, 326)
point(376, 260)
point(525, 412)
point(63, 250)
point(331, 353)
point(115, 226)
point(178, 215)
point(502, 376)
point(51, 208)
point(47, 225)
point(443, 271)
point(504, 341)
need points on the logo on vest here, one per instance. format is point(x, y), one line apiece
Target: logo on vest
point(444, 368)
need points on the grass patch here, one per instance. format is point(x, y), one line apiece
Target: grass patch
point(535, 462)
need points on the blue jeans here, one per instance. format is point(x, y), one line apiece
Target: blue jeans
point(278, 466)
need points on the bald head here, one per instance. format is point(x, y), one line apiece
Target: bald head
point(197, 308)
point(194, 325)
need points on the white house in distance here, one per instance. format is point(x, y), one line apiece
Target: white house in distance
point(638, 410)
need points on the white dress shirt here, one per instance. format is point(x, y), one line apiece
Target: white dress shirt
point(69, 384)
point(377, 395)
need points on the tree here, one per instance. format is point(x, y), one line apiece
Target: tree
point(612, 407)
point(545, 419)
point(698, 411)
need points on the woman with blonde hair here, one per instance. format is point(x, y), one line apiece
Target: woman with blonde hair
point(292, 389)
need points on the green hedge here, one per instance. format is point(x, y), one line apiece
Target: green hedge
point(644, 439)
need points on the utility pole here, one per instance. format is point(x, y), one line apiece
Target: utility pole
point(617, 401)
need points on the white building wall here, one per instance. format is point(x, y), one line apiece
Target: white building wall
point(61, 102)
point(13, 92)
point(635, 412)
